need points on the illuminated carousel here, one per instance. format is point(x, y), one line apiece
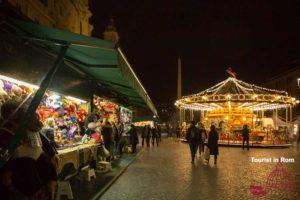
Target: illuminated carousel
point(233, 103)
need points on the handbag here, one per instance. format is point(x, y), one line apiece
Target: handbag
point(104, 153)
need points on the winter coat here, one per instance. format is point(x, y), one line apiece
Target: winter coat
point(107, 133)
point(245, 133)
point(213, 142)
point(133, 136)
point(193, 135)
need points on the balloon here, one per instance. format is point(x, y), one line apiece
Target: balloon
point(56, 114)
point(73, 119)
point(61, 112)
point(27, 89)
point(8, 87)
point(52, 110)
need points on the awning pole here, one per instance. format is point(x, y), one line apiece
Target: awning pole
point(19, 134)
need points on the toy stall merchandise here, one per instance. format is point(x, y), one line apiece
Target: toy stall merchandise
point(106, 109)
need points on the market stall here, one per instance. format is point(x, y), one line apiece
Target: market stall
point(233, 103)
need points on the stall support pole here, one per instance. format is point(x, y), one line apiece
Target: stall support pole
point(19, 134)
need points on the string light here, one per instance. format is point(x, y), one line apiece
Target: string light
point(251, 96)
point(15, 81)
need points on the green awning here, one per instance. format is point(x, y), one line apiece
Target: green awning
point(100, 60)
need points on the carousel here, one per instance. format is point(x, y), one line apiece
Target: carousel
point(233, 103)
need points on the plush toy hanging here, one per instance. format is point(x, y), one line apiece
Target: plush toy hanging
point(61, 111)
point(27, 89)
point(42, 114)
point(8, 87)
point(2, 91)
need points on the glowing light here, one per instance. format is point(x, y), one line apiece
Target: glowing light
point(228, 96)
point(15, 81)
point(229, 104)
point(297, 101)
point(244, 118)
point(205, 118)
point(79, 101)
point(226, 117)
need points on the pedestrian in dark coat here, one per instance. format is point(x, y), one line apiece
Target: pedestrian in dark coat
point(108, 137)
point(122, 140)
point(134, 140)
point(144, 135)
point(193, 138)
point(148, 135)
point(245, 134)
point(158, 132)
point(213, 142)
point(154, 134)
point(203, 137)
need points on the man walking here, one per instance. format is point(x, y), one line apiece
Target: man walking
point(203, 137)
point(193, 138)
point(245, 134)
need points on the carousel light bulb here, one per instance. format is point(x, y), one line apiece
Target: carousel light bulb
point(297, 101)
point(244, 118)
point(278, 97)
point(205, 118)
point(227, 117)
point(254, 96)
point(228, 96)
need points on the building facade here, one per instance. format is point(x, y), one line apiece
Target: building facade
point(286, 80)
point(70, 15)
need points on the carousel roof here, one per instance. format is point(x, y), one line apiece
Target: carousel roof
point(242, 94)
point(234, 86)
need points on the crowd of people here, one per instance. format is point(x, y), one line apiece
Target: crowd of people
point(31, 171)
point(151, 135)
point(196, 136)
point(115, 136)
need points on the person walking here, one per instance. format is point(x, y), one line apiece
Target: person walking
point(193, 138)
point(213, 143)
point(117, 138)
point(203, 137)
point(158, 132)
point(245, 134)
point(107, 132)
point(148, 135)
point(134, 140)
point(144, 134)
point(154, 135)
point(122, 140)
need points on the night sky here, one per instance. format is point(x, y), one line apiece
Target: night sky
point(256, 37)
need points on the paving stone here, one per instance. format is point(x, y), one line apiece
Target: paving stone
point(166, 172)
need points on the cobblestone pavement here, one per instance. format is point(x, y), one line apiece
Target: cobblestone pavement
point(166, 173)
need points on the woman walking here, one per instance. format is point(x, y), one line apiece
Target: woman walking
point(213, 143)
point(193, 138)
